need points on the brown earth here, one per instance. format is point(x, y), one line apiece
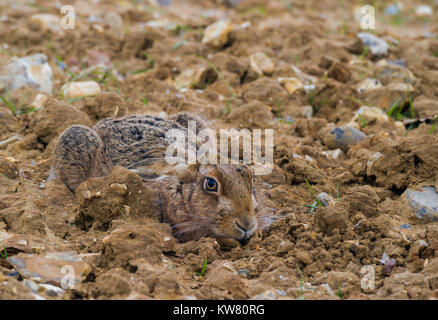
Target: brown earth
point(315, 253)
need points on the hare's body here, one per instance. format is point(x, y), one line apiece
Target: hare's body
point(212, 200)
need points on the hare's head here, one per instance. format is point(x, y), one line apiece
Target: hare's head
point(211, 200)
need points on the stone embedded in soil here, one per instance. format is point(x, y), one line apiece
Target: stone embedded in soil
point(39, 101)
point(33, 71)
point(8, 168)
point(423, 11)
point(284, 247)
point(32, 285)
point(384, 98)
point(47, 21)
point(307, 112)
point(261, 64)
point(324, 198)
point(267, 295)
point(291, 84)
point(392, 9)
point(305, 78)
point(114, 21)
point(392, 72)
point(196, 77)
point(14, 243)
point(333, 154)
point(50, 290)
point(423, 203)
point(369, 84)
point(216, 34)
point(378, 47)
point(10, 140)
point(342, 137)
point(80, 89)
point(369, 115)
point(52, 267)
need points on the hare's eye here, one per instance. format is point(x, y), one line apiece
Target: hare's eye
point(210, 184)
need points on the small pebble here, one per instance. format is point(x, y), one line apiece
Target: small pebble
point(307, 112)
point(324, 198)
point(423, 203)
point(291, 84)
point(343, 138)
point(47, 21)
point(39, 101)
point(31, 285)
point(392, 10)
point(369, 84)
point(378, 47)
point(31, 71)
point(243, 272)
point(261, 64)
point(216, 34)
point(423, 11)
point(366, 115)
point(80, 89)
point(114, 21)
point(267, 295)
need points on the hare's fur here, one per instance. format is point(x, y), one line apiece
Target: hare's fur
point(138, 143)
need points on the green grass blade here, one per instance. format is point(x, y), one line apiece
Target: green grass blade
point(9, 104)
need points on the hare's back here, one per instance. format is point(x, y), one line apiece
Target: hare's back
point(133, 140)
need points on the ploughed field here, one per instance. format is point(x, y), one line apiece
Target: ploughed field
point(355, 173)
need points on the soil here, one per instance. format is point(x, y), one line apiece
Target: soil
point(310, 253)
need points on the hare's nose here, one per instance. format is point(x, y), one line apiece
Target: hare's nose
point(248, 226)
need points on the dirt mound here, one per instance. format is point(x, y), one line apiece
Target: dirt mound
point(355, 146)
point(121, 195)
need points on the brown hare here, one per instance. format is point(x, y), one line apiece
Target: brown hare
point(198, 200)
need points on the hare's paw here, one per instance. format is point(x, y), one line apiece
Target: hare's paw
point(228, 243)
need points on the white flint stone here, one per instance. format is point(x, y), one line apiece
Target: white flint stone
point(216, 34)
point(47, 21)
point(27, 71)
point(80, 89)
